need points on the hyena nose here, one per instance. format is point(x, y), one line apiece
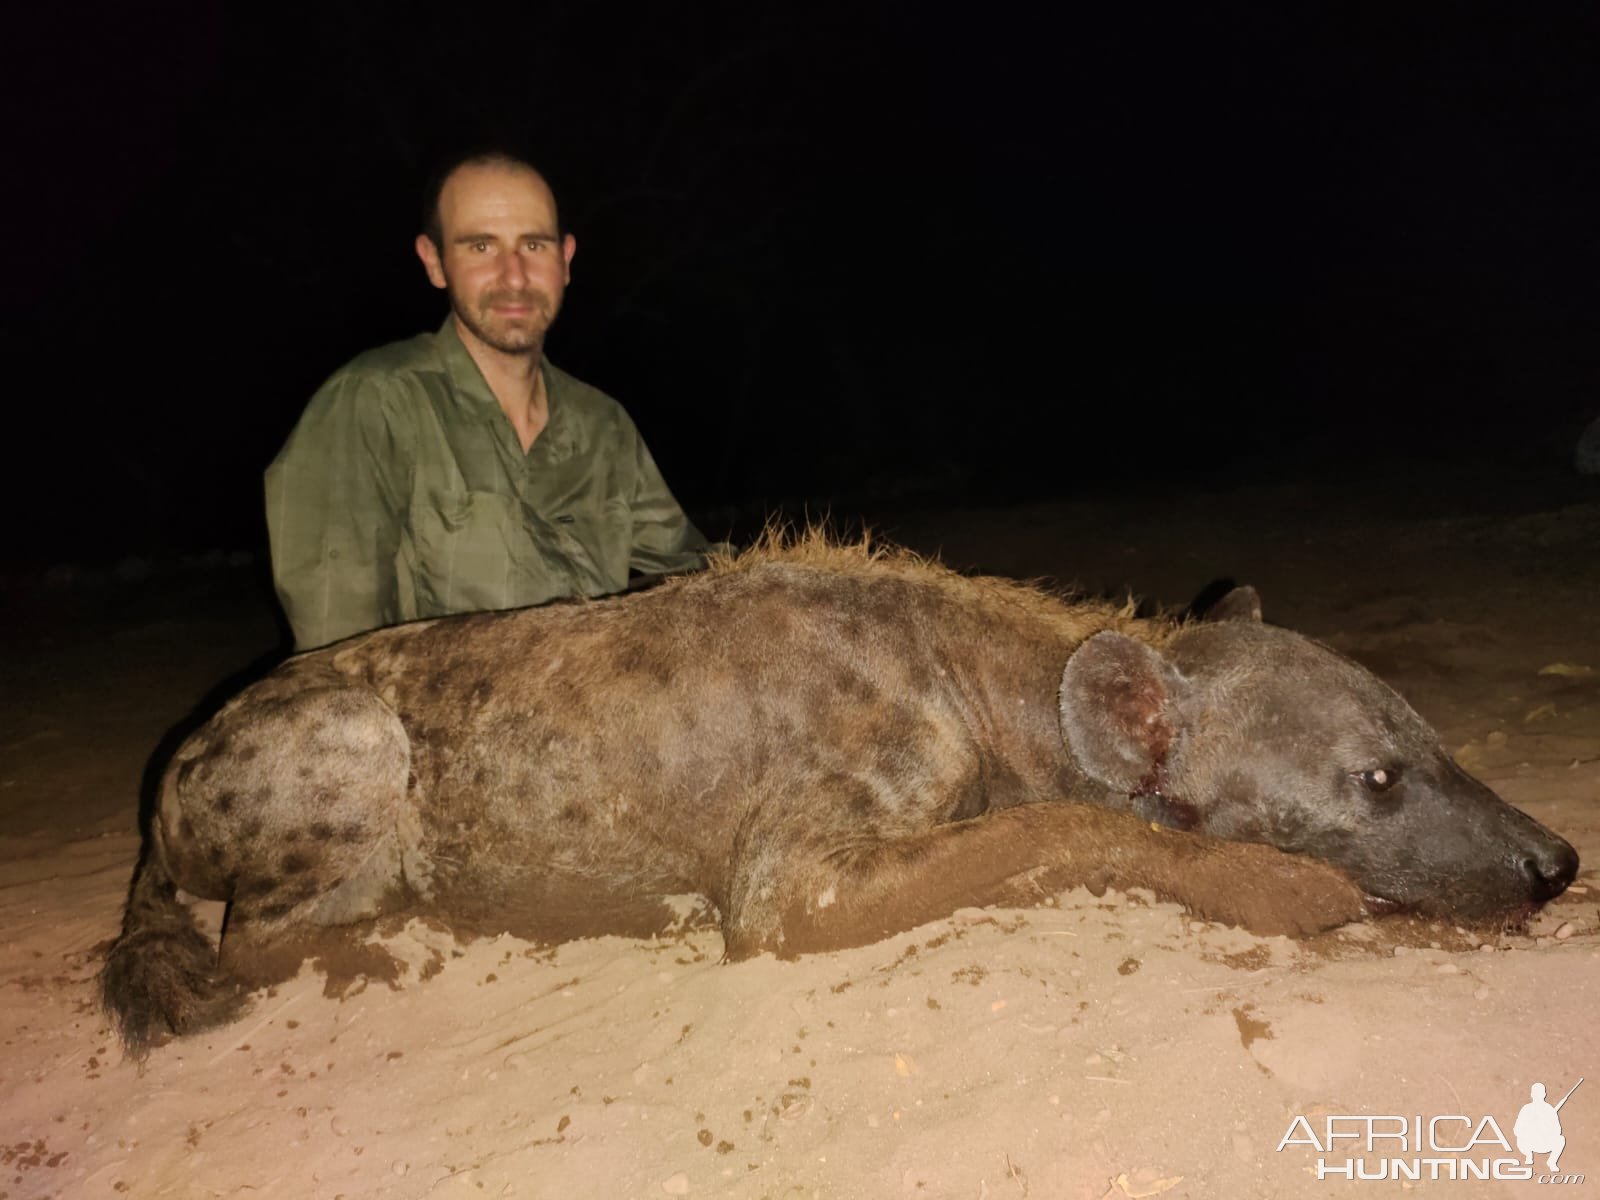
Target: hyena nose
point(1549, 870)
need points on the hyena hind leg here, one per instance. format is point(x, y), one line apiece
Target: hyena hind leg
point(277, 922)
point(332, 841)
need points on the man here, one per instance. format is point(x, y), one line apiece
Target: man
point(461, 470)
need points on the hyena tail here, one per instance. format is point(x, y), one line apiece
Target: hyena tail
point(161, 976)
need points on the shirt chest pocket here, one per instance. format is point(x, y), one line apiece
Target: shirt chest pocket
point(472, 551)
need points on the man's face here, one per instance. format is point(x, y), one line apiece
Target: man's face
point(503, 262)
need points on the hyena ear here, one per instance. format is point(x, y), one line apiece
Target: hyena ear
point(1118, 708)
point(1240, 604)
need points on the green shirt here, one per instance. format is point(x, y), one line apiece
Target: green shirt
point(404, 493)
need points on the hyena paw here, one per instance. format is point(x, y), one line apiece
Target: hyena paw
point(1270, 893)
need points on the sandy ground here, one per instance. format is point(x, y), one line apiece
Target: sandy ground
point(1091, 1048)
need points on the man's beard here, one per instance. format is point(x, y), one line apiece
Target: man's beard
point(523, 335)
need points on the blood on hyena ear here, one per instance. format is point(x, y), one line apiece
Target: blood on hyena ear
point(1241, 604)
point(1118, 710)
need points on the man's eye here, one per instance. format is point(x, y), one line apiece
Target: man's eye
point(535, 245)
point(480, 247)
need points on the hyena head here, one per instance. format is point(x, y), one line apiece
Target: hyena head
point(1253, 733)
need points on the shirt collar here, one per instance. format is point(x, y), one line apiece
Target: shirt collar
point(556, 440)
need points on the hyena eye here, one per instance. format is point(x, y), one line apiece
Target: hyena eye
point(1378, 779)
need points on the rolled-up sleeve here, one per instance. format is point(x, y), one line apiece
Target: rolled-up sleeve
point(664, 539)
point(335, 503)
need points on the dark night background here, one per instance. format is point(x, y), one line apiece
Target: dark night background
point(838, 255)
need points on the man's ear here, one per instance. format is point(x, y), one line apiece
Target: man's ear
point(431, 263)
point(1118, 705)
point(569, 247)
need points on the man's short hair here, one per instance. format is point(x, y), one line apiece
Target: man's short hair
point(487, 154)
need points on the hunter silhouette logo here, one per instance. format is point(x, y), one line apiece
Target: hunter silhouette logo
point(1444, 1146)
point(1538, 1127)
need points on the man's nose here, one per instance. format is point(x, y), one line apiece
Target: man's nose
point(513, 269)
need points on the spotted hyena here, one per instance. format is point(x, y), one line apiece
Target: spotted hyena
point(827, 743)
